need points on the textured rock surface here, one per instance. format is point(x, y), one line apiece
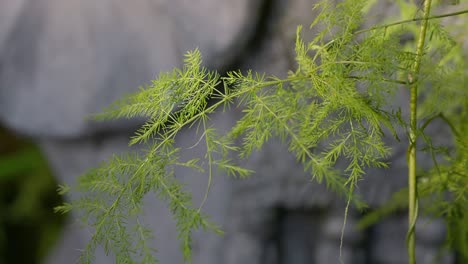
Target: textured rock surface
point(8, 17)
point(62, 60)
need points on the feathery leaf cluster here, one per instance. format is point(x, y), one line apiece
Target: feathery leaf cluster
point(333, 112)
point(442, 189)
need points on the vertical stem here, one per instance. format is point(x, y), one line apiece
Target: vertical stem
point(412, 185)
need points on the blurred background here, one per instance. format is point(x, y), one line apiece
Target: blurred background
point(62, 60)
point(28, 225)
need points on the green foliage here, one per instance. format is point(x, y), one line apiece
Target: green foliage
point(333, 112)
point(27, 192)
point(442, 189)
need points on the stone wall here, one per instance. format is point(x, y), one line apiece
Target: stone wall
point(63, 60)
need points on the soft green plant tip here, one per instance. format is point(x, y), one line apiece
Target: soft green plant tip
point(64, 208)
point(63, 189)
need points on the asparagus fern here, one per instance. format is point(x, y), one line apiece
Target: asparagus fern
point(333, 112)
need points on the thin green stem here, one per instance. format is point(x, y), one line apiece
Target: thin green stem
point(210, 163)
point(424, 18)
point(383, 79)
point(412, 185)
point(445, 119)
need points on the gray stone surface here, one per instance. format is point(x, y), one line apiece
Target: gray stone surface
point(8, 17)
point(63, 60)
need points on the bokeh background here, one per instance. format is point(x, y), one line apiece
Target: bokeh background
point(28, 226)
point(62, 60)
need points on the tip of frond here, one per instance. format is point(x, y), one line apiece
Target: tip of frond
point(192, 57)
point(63, 209)
point(63, 189)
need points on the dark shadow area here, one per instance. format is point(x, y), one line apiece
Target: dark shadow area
point(28, 224)
point(295, 237)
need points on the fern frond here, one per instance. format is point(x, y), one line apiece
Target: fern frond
point(332, 112)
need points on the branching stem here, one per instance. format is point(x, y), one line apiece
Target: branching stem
point(424, 18)
point(412, 185)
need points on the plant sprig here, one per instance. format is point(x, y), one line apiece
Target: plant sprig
point(333, 112)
